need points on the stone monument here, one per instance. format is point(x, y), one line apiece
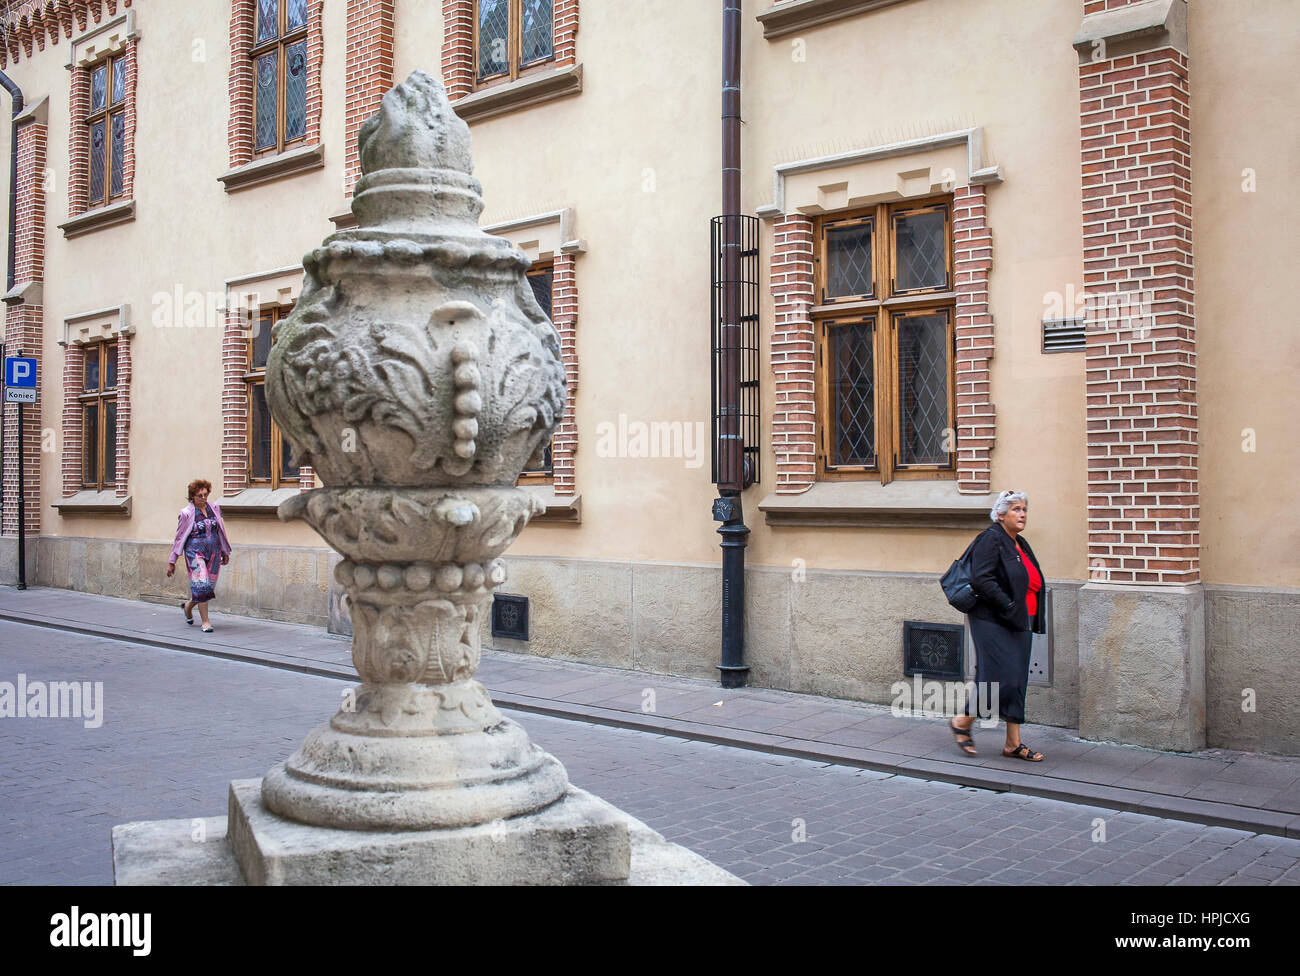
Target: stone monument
point(417, 374)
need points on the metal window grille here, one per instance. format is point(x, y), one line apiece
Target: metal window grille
point(734, 241)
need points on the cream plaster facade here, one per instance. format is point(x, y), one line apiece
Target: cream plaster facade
point(625, 175)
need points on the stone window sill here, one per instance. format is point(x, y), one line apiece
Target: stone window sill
point(278, 167)
point(559, 508)
point(93, 503)
point(788, 16)
point(531, 89)
point(99, 218)
point(898, 505)
point(258, 502)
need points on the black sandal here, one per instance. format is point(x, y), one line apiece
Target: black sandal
point(967, 744)
point(1023, 751)
point(189, 619)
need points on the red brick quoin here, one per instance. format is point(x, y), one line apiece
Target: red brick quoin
point(1143, 492)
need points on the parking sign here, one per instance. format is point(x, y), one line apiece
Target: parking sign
point(20, 379)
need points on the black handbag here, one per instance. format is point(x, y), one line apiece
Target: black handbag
point(956, 582)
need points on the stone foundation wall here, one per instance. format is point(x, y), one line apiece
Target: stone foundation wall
point(277, 582)
point(837, 633)
point(833, 633)
point(1252, 636)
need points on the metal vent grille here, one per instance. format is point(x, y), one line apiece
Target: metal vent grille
point(510, 617)
point(933, 650)
point(1063, 335)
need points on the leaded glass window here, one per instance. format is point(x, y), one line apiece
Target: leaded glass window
point(268, 453)
point(99, 415)
point(853, 393)
point(106, 131)
point(279, 57)
point(923, 370)
point(511, 35)
point(885, 346)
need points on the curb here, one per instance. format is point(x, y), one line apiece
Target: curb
point(1206, 812)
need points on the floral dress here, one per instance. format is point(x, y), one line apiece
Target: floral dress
point(203, 556)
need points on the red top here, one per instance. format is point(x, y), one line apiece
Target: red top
point(1035, 582)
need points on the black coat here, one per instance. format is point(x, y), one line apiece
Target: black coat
point(1000, 579)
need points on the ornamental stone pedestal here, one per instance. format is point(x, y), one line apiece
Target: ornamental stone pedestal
point(416, 375)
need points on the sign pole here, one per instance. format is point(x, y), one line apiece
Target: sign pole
point(22, 505)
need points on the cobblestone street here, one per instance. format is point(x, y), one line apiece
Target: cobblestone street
point(178, 727)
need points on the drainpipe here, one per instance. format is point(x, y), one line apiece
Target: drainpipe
point(730, 447)
point(17, 95)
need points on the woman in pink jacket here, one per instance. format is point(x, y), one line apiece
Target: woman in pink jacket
point(201, 535)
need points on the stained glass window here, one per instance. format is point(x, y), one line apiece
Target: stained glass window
point(295, 93)
point(110, 441)
point(106, 131)
point(266, 107)
point(268, 20)
point(119, 153)
point(280, 70)
point(97, 159)
point(268, 452)
point(98, 88)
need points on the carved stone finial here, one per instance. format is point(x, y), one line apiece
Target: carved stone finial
point(417, 375)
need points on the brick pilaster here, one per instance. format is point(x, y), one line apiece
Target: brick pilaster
point(24, 329)
point(1140, 358)
point(972, 262)
point(79, 144)
point(369, 72)
point(458, 47)
point(794, 423)
point(239, 126)
point(564, 313)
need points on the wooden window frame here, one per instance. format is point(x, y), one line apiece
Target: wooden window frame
point(103, 195)
point(886, 307)
point(542, 476)
point(514, 45)
point(281, 44)
point(98, 400)
point(255, 376)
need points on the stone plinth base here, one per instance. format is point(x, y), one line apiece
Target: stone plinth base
point(204, 851)
point(1142, 665)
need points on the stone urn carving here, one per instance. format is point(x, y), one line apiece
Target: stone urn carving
point(417, 375)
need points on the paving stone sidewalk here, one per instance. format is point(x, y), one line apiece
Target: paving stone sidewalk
point(1233, 789)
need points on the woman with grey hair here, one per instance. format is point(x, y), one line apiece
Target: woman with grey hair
point(1009, 582)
